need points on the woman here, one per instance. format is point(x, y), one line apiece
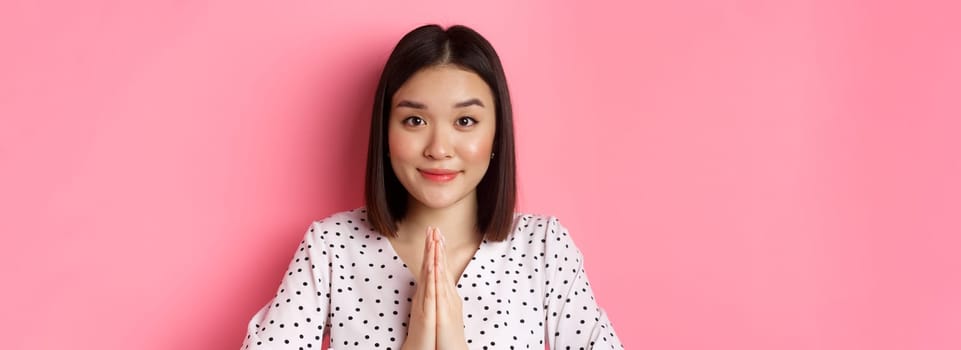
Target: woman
point(437, 259)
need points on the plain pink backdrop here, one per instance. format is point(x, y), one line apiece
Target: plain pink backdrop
point(738, 174)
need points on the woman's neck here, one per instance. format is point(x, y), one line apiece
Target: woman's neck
point(458, 222)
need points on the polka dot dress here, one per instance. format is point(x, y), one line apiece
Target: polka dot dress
point(347, 281)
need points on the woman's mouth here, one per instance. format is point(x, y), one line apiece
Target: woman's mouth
point(438, 175)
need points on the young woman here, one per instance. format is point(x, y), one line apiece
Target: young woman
point(437, 259)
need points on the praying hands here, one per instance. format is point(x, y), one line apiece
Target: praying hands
point(436, 316)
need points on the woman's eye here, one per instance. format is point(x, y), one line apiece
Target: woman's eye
point(414, 121)
point(466, 121)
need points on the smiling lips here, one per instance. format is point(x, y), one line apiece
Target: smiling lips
point(438, 175)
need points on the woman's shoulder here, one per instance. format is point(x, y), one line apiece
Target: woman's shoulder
point(537, 227)
point(535, 222)
point(347, 221)
point(352, 216)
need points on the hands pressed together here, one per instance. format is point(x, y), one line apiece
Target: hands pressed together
point(436, 315)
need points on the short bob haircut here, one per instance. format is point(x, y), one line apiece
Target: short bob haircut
point(424, 47)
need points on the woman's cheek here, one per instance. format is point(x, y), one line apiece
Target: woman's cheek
point(400, 143)
point(477, 148)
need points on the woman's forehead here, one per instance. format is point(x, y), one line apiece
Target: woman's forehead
point(443, 87)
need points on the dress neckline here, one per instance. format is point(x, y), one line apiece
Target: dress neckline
point(402, 265)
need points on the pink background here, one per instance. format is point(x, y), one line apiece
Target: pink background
point(739, 174)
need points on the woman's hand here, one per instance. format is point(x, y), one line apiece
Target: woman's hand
point(450, 314)
point(421, 332)
point(436, 315)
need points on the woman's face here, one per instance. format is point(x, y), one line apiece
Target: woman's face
point(440, 134)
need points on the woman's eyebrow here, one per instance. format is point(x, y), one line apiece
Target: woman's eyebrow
point(469, 102)
point(418, 105)
point(411, 104)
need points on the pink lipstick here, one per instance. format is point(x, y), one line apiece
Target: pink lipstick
point(438, 175)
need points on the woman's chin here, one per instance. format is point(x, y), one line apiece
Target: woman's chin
point(436, 202)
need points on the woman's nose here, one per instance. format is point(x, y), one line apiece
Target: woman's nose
point(439, 146)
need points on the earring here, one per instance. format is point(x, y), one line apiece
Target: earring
point(492, 155)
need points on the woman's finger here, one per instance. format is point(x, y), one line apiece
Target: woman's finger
point(442, 260)
point(450, 322)
point(445, 286)
point(422, 329)
point(431, 292)
point(424, 268)
point(440, 251)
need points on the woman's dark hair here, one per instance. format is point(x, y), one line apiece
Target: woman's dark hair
point(428, 46)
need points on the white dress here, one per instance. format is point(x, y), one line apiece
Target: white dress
point(345, 279)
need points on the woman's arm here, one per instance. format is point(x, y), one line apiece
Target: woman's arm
point(297, 315)
point(574, 320)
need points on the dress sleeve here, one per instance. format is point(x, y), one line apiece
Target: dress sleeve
point(296, 318)
point(574, 320)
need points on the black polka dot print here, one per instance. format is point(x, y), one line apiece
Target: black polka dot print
point(346, 281)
